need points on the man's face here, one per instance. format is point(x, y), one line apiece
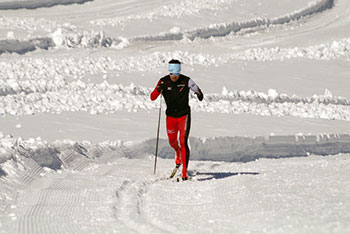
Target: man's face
point(174, 77)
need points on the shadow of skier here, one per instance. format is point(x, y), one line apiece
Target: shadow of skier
point(221, 175)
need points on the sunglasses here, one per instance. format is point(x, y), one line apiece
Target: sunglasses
point(174, 74)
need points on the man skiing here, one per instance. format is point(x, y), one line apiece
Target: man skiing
point(175, 89)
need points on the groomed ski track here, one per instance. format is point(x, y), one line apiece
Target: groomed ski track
point(121, 195)
point(110, 187)
point(267, 184)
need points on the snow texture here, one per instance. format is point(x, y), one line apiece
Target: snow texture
point(67, 37)
point(267, 62)
point(33, 4)
point(228, 149)
point(56, 96)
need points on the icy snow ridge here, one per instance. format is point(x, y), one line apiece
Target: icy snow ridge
point(70, 154)
point(70, 37)
point(22, 47)
point(224, 29)
point(33, 4)
point(66, 38)
point(39, 96)
point(78, 68)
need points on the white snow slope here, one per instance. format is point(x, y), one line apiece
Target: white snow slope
point(270, 142)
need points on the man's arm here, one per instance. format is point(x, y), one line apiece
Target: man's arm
point(154, 95)
point(194, 87)
point(157, 90)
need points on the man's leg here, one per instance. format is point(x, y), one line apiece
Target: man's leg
point(172, 130)
point(184, 127)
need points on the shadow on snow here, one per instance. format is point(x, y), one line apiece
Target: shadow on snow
point(222, 175)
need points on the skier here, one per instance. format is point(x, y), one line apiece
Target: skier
point(175, 89)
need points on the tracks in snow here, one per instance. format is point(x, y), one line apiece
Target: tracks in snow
point(222, 30)
point(83, 39)
point(87, 197)
point(131, 208)
point(120, 195)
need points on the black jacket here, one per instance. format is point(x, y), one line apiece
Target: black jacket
point(176, 96)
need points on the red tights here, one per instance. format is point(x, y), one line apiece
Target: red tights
point(179, 125)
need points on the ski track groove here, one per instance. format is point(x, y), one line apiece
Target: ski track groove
point(62, 203)
point(36, 206)
point(33, 172)
point(133, 215)
point(69, 161)
point(60, 200)
point(21, 179)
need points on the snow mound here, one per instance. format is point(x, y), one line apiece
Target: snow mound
point(22, 47)
point(17, 155)
point(65, 37)
point(245, 149)
point(62, 38)
point(33, 4)
point(274, 104)
point(56, 96)
point(70, 37)
point(224, 29)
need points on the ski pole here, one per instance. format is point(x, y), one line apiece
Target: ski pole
point(160, 111)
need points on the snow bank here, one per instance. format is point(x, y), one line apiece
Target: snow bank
point(52, 155)
point(78, 68)
point(20, 95)
point(33, 4)
point(16, 153)
point(224, 29)
point(244, 149)
point(69, 36)
point(22, 47)
point(274, 104)
point(56, 96)
point(66, 38)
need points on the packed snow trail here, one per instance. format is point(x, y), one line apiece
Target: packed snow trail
point(277, 183)
point(304, 195)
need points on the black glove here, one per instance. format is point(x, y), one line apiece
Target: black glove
point(200, 95)
point(161, 87)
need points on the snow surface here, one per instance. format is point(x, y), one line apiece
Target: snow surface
point(33, 4)
point(270, 143)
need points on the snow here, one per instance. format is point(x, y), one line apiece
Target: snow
point(269, 143)
point(33, 4)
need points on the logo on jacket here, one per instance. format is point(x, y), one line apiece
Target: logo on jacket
point(182, 87)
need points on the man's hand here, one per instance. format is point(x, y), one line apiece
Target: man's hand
point(199, 94)
point(161, 87)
